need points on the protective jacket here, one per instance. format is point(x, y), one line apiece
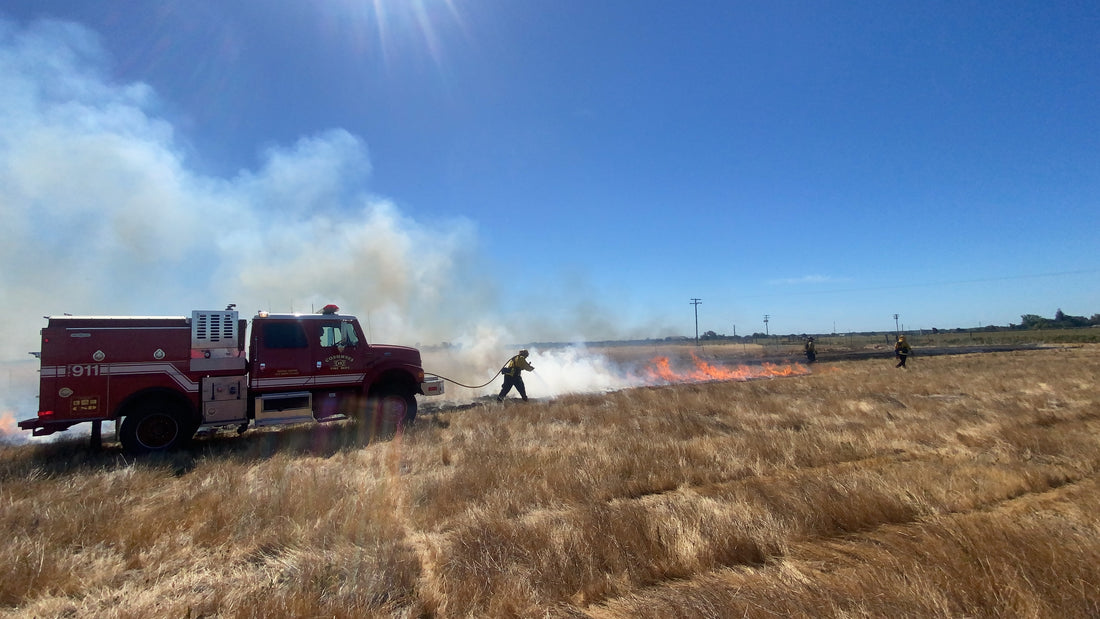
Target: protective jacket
point(901, 347)
point(516, 365)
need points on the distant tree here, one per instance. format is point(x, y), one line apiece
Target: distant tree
point(1033, 321)
point(1061, 320)
point(1064, 320)
point(1076, 321)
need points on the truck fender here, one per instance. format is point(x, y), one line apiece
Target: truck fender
point(393, 381)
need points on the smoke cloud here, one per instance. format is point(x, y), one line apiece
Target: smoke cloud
point(558, 371)
point(103, 215)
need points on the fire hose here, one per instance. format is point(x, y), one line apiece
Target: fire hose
point(467, 386)
point(451, 380)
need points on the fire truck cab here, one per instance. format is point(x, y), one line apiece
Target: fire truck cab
point(163, 378)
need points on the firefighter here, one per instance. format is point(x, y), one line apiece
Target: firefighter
point(810, 350)
point(511, 372)
point(901, 351)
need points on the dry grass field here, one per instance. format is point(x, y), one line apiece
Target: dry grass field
point(966, 486)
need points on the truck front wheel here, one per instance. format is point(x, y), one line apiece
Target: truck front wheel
point(155, 426)
point(394, 410)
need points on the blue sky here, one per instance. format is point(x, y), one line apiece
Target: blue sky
point(557, 170)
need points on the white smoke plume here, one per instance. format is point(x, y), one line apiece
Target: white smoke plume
point(575, 369)
point(558, 371)
point(102, 215)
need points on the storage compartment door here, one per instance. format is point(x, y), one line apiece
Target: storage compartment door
point(224, 400)
point(277, 408)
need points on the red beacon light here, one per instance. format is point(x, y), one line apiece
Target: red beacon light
point(329, 309)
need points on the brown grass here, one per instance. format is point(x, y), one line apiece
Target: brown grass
point(966, 486)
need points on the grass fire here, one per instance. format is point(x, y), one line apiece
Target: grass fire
point(660, 370)
point(964, 486)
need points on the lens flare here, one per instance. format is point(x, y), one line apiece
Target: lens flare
point(392, 28)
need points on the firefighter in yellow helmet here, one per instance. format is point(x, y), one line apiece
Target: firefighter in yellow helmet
point(512, 378)
point(901, 351)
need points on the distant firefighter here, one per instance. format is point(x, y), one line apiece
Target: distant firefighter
point(901, 351)
point(512, 377)
point(810, 350)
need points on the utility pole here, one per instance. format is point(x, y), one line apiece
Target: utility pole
point(696, 303)
point(897, 330)
point(766, 334)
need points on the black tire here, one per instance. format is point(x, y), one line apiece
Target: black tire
point(156, 426)
point(394, 410)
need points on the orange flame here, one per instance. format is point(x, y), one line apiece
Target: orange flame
point(8, 424)
point(704, 371)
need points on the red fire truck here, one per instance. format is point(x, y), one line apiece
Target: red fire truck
point(163, 378)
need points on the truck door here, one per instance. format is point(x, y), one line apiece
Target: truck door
point(338, 353)
point(281, 355)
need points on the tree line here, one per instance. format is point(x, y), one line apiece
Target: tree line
point(1060, 321)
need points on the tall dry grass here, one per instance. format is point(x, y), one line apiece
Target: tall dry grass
point(966, 486)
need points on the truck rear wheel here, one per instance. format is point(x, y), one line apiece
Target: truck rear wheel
point(394, 410)
point(155, 426)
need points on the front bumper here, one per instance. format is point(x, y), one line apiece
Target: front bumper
point(432, 385)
